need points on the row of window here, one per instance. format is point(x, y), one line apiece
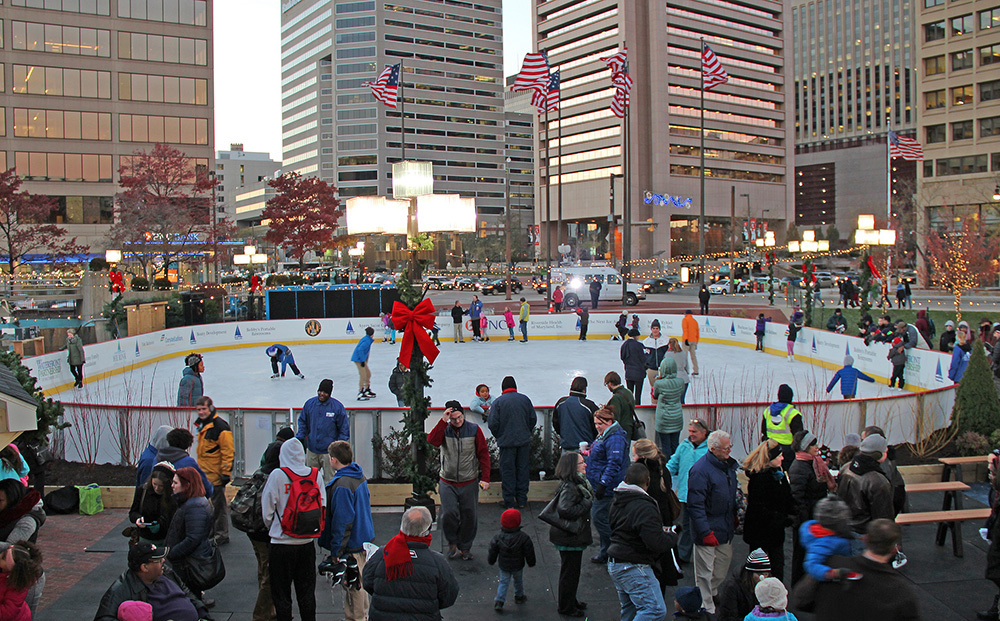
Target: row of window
point(988, 55)
point(63, 124)
point(722, 173)
point(450, 16)
point(190, 12)
point(964, 130)
point(162, 89)
point(60, 39)
point(169, 129)
point(966, 165)
point(63, 166)
point(961, 25)
point(88, 7)
point(440, 29)
point(962, 95)
point(162, 49)
point(64, 82)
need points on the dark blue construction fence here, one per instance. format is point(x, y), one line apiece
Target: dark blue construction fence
point(329, 301)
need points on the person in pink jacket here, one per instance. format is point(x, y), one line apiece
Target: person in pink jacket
point(482, 327)
point(20, 567)
point(509, 318)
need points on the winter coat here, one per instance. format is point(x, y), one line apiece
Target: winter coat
point(947, 342)
point(690, 332)
point(761, 326)
point(512, 418)
point(711, 498)
point(622, 324)
point(465, 457)
point(661, 494)
point(575, 499)
point(148, 457)
point(769, 508)
point(456, 314)
point(573, 420)
point(322, 423)
point(23, 520)
point(74, 349)
point(130, 587)
point(475, 309)
point(680, 464)
point(512, 548)
point(274, 498)
point(349, 512)
point(681, 360)
point(608, 458)
point(190, 389)
point(190, 530)
point(736, 600)
point(525, 313)
point(622, 402)
point(867, 491)
point(960, 357)
point(481, 406)
point(362, 349)
point(13, 606)
point(793, 332)
point(704, 295)
point(419, 596)
point(923, 326)
point(807, 490)
point(637, 534)
point(882, 594)
point(656, 350)
point(757, 615)
point(835, 321)
point(910, 337)
point(397, 379)
point(216, 450)
point(897, 355)
point(667, 390)
point(848, 378)
point(820, 544)
point(633, 356)
point(508, 318)
point(20, 473)
point(180, 459)
point(150, 506)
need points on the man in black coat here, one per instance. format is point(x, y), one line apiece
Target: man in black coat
point(573, 417)
point(417, 585)
point(595, 292)
point(880, 594)
point(638, 539)
point(512, 419)
point(147, 580)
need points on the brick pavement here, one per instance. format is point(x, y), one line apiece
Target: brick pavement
point(64, 540)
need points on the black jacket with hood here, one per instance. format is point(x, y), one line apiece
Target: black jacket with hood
point(512, 548)
point(637, 534)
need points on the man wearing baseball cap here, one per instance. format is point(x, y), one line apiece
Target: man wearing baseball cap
point(148, 580)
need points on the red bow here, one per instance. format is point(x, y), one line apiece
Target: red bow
point(117, 282)
point(871, 266)
point(414, 324)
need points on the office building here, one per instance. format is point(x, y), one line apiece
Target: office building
point(89, 82)
point(854, 64)
point(960, 122)
point(519, 123)
point(237, 171)
point(748, 147)
point(452, 83)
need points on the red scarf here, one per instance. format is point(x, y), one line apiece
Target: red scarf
point(398, 562)
point(819, 468)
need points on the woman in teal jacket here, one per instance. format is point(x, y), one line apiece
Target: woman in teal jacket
point(668, 390)
point(689, 451)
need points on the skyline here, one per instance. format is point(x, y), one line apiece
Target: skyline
point(248, 35)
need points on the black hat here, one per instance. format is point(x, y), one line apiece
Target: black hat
point(785, 394)
point(143, 552)
point(326, 386)
point(633, 332)
point(192, 360)
point(286, 433)
point(508, 382)
point(454, 405)
point(655, 324)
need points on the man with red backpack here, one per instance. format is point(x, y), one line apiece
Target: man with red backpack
point(293, 503)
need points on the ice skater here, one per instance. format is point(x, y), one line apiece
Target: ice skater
point(360, 358)
point(794, 326)
point(389, 333)
point(483, 323)
point(283, 354)
point(508, 318)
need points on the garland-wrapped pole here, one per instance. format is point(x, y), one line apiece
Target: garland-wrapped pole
point(807, 272)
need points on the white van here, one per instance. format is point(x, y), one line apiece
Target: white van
point(576, 282)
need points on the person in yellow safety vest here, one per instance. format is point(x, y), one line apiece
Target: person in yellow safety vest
point(781, 421)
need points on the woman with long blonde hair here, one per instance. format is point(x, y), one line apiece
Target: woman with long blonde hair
point(675, 351)
point(769, 504)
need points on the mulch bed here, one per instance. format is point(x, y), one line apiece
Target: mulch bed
point(59, 473)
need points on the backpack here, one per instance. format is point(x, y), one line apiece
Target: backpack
point(304, 513)
point(245, 509)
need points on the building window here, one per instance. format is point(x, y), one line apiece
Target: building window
point(356, 68)
point(989, 18)
point(61, 39)
point(961, 60)
point(995, 162)
point(936, 133)
point(928, 168)
point(962, 130)
point(355, 22)
point(191, 12)
point(935, 99)
point(961, 95)
point(162, 49)
point(990, 126)
point(357, 160)
point(355, 37)
point(358, 175)
point(961, 25)
point(63, 166)
point(354, 7)
point(932, 3)
point(961, 165)
point(989, 91)
point(934, 31)
point(356, 52)
point(934, 65)
point(989, 55)
point(88, 7)
point(169, 129)
point(34, 80)
point(354, 130)
point(162, 89)
point(66, 125)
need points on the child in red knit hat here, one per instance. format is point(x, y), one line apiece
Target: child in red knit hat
point(513, 548)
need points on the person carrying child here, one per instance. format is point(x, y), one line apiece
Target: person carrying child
point(827, 535)
point(512, 548)
point(848, 378)
point(482, 401)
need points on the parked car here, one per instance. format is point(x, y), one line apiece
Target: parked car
point(657, 285)
point(499, 285)
point(438, 282)
point(909, 276)
point(464, 283)
point(719, 287)
point(576, 281)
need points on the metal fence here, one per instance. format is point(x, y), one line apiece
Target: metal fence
point(119, 433)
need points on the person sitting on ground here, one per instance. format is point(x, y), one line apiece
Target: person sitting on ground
point(687, 604)
point(148, 579)
point(773, 598)
point(512, 547)
point(736, 595)
point(827, 535)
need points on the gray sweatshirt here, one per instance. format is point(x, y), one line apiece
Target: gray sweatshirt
point(275, 495)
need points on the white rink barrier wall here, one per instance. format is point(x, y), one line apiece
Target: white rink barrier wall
point(112, 430)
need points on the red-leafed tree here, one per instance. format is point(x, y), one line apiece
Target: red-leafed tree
point(961, 260)
point(303, 214)
point(25, 227)
point(165, 208)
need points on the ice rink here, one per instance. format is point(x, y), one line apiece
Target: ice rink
point(543, 370)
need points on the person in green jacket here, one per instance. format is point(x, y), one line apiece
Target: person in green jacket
point(668, 390)
point(523, 319)
point(76, 359)
point(622, 403)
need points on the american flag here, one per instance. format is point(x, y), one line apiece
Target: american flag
point(617, 61)
point(712, 73)
point(906, 148)
point(550, 99)
point(534, 74)
point(622, 81)
point(386, 87)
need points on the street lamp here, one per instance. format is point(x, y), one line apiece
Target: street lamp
point(996, 193)
point(867, 235)
point(113, 256)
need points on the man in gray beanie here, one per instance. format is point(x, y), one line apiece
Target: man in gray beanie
point(191, 387)
point(865, 487)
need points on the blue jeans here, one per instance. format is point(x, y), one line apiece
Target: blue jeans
point(600, 516)
point(524, 329)
point(514, 475)
point(511, 330)
point(505, 579)
point(668, 442)
point(638, 591)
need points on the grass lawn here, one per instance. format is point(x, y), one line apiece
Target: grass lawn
point(939, 314)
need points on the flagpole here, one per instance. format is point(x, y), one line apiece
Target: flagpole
point(701, 152)
point(402, 114)
point(888, 181)
point(627, 204)
point(548, 216)
point(559, 210)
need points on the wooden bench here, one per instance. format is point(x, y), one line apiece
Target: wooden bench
point(944, 486)
point(946, 520)
point(954, 465)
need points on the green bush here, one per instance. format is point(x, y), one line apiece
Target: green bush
point(393, 454)
point(971, 443)
point(140, 283)
point(995, 439)
point(163, 284)
point(977, 407)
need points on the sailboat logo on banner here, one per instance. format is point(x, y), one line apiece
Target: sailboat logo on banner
point(732, 329)
point(137, 349)
point(237, 336)
point(350, 328)
point(814, 345)
point(937, 373)
point(193, 340)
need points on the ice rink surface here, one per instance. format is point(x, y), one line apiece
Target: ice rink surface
point(543, 370)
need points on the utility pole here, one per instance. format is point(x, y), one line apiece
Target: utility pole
point(506, 228)
point(732, 237)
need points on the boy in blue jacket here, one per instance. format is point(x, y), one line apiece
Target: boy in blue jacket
point(348, 526)
point(828, 535)
point(848, 378)
point(360, 358)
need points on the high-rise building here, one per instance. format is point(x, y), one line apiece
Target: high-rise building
point(960, 123)
point(519, 121)
point(748, 147)
point(855, 79)
point(452, 84)
point(237, 170)
point(87, 83)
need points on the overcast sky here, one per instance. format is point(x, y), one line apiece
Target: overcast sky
point(248, 68)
